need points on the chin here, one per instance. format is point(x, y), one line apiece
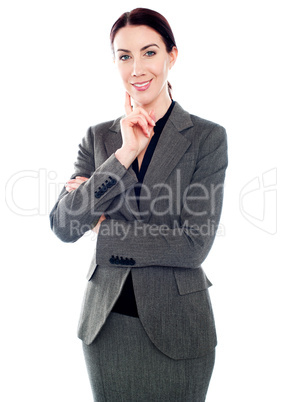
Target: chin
point(142, 99)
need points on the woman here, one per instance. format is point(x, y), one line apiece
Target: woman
point(150, 186)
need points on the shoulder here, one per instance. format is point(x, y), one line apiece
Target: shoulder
point(209, 131)
point(208, 140)
point(204, 124)
point(99, 132)
point(106, 126)
point(197, 128)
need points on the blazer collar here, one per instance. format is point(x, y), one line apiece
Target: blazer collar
point(172, 145)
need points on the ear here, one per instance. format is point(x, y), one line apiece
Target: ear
point(173, 56)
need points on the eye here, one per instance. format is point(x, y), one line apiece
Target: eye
point(150, 53)
point(124, 57)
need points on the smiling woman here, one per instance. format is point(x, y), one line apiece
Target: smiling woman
point(144, 63)
point(148, 184)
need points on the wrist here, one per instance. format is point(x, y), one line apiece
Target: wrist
point(125, 156)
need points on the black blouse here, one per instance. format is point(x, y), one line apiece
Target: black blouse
point(126, 303)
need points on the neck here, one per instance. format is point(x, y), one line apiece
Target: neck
point(159, 106)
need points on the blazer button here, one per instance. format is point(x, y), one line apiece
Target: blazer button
point(112, 259)
point(104, 188)
point(112, 181)
point(132, 261)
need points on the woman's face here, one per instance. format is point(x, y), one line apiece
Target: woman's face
point(143, 63)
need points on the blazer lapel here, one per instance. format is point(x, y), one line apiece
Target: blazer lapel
point(114, 139)
point(171, 146)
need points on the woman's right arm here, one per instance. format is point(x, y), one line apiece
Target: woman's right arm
point(79, 210)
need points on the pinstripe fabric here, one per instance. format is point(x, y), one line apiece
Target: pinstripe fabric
point(125, 366)
point(166, 240)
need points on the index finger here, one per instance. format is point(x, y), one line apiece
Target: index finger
point(127, 105)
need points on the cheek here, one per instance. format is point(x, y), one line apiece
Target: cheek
point(160, 69)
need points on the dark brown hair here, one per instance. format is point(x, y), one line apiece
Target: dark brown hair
point(150, 18)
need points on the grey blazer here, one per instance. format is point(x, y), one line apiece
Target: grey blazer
point(163, 243)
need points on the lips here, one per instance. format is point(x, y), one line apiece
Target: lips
point(141, 86)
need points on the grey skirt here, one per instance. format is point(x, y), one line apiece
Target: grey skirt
point(125, 366)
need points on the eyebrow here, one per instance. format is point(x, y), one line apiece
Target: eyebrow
point(141, 50)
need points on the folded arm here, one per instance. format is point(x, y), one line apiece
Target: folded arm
point(79, 210)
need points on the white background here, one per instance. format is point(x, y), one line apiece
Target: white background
point(57, 79)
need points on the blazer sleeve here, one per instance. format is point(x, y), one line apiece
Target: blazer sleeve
point(78, 211)
point(187, 245)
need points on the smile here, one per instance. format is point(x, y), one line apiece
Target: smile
point(142, 86)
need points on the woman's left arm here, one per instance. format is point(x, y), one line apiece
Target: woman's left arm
point(186, 245)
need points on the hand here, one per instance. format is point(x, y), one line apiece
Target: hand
point(97, 227)
point(136, 129)
point(75, 183)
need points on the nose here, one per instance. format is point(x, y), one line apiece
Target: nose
point(138, 68)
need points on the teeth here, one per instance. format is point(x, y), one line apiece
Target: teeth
point(142, 85)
